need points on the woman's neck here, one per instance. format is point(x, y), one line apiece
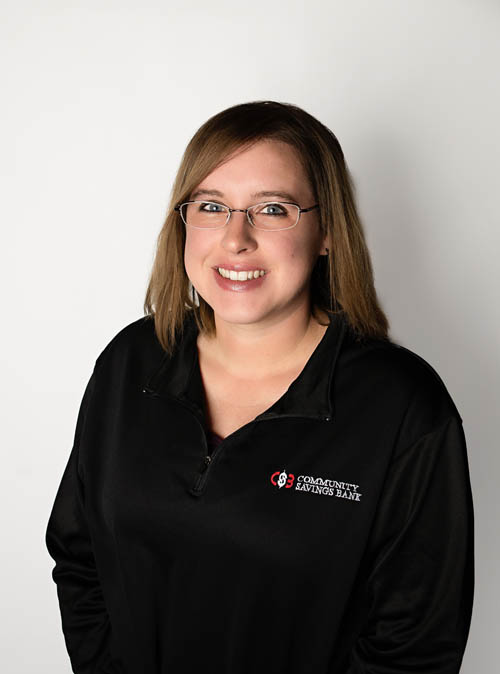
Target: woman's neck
point(251, 352)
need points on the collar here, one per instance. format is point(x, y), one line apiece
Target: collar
point(309, 395)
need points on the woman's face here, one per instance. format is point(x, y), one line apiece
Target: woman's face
point(261, 173)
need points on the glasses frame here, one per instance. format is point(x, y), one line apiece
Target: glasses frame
point(300, 210)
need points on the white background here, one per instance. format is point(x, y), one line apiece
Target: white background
point(98, 102)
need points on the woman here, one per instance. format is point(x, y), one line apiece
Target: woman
point(261, 479)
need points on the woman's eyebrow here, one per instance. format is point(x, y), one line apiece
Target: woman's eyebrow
point(275, 193)
point(211, 193)
point(257, 195)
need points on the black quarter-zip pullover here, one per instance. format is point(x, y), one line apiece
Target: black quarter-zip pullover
point(333, 534)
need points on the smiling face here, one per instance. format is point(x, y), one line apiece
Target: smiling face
point(266, 171)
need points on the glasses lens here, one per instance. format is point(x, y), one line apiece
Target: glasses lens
point(274, 215)
point(205, 214)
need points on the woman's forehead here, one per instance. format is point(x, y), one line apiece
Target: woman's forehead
point(266, 168)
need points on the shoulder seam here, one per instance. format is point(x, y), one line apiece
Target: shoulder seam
point(423, 361)
point(436, 429)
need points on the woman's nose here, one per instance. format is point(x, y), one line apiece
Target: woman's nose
point(238, 231)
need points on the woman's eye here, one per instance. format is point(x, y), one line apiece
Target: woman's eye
point(273, 209)
point(209, 207)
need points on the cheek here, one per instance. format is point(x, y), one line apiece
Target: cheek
point(191, 256)
point(194, 249)
point(190, 244)
point(298, 253)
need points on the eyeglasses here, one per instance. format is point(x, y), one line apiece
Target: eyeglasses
point(271, 215)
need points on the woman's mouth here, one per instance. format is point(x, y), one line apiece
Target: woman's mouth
point(229, 279)
point(240, 275)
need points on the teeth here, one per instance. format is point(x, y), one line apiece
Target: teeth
point(240, 275)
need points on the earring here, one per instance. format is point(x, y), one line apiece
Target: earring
point(194, 296)
point(329, 294)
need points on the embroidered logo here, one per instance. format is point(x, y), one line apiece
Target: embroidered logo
point(282, 479)
point(316, 485)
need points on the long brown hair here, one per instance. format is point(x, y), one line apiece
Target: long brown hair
point(341, 282)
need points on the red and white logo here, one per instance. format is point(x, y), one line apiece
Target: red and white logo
point(282, 479)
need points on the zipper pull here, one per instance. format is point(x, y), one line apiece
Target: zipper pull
point(195, 489)
point(206, 463)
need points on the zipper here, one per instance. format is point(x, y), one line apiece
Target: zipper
point(201, 478)
point(208, 460)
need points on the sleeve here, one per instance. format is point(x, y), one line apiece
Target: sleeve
point(419, 587)
point(84, 617)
